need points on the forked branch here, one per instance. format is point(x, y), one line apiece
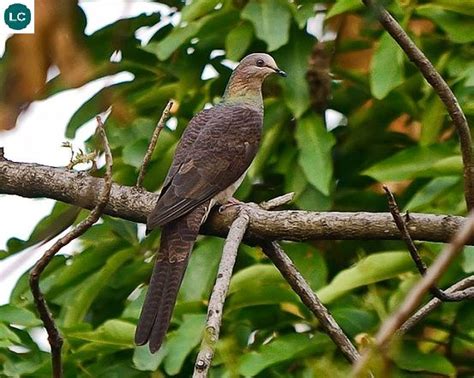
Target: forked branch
point(54, 337)
point(219, 293)
point(415, 296)
point(415, 255)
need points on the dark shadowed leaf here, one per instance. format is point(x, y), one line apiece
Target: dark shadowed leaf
point(202, 269)
point(409, 357)
point(457, 26)
point(309, 262)
point(293, 58)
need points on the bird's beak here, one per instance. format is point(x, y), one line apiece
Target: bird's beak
point(280, 72)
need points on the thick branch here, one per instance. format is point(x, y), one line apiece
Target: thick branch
point(80, 189)
point(440, 87)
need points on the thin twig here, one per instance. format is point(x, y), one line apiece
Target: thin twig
point(2, 153)
point(309, 298)
point(219, 293)
point(277, 201)
point(151, 147)
point(54, 337)
point(467, 283)
point(414, 297)
point(415, 255)
point(440, 87)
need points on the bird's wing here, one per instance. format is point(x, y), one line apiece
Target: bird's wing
point(218, 156)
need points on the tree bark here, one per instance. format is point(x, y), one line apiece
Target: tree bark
point(130, 203)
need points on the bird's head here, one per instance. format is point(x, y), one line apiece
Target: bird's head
point(259, 65)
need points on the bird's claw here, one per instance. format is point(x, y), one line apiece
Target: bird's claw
point(230, 203)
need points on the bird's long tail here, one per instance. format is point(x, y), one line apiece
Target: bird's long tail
point(177, 240)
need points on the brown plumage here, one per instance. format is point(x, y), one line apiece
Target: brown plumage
point(214, 153)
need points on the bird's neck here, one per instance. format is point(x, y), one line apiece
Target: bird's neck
point(243, 90)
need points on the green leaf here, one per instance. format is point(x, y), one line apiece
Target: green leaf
point(371, 269)
point(238, 41)
point(182, 342)
point(302, 13)
point(259, 284)
point(7, 334)
point(144, 360)
point(431, 191)
point(353, 320)
point(468, 259)
point(97, 104)
point(343, 6)
point(283, 348)
point(386, 67)
point(312, 199)
point(409, 357)
point(271, 20)
point(309, 262)
point(178, 36)
point(197, 9)
point(458, 27)
point(115, 332)
point(10, 314)
point(293, 58)
point(201, 272)
point(428, 161)
point(461, 6)
point(61, 217)
point(133, 153)
point(77, 308)
point(432, 121)
point(315, 144)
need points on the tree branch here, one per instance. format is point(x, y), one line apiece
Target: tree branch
point(458, 287)
point(309, 298)
point(414, 297)
point(219, 293)
point(151, 146)
point(80, 189)
point(415, 255)
point(54, 338)
point(440, 87)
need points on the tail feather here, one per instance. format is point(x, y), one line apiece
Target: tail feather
point(177, 240)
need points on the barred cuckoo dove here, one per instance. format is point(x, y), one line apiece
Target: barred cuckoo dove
point(209, 164)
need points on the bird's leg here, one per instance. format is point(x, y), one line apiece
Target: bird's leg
point(230, 203)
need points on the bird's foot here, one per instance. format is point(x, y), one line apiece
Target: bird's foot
point(230, 203)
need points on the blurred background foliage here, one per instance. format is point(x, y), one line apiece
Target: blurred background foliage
point(352, 114)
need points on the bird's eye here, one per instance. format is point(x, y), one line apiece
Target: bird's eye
point(260, 63)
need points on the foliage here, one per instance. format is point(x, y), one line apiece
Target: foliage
point(393, 130)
